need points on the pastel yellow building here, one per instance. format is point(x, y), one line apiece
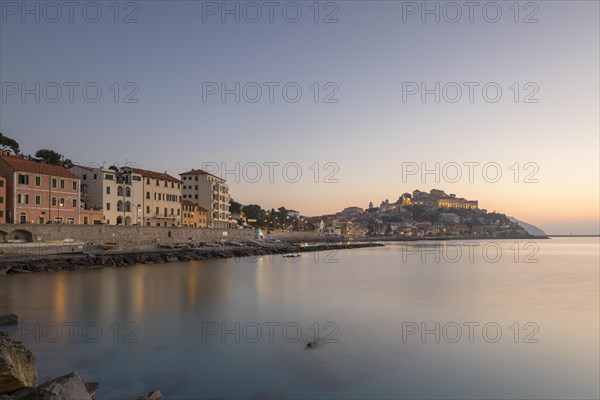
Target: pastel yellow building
point(193, 216)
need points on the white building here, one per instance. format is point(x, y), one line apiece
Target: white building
point(208, 191)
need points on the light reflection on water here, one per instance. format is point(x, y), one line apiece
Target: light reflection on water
point(369, 294)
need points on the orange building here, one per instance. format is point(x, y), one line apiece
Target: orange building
point(193, 215)
point(39, 193)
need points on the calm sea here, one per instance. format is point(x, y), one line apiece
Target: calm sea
point(481, 319)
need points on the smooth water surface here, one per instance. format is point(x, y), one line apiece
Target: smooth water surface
point(517, 319)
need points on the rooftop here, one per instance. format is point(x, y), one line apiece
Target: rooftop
point(21, 165)
point(154, 175)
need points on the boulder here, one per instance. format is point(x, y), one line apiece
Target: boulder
point(91, 387)
point(17, 366)
point(153, 395)
point(9, 319)
point(68, 386)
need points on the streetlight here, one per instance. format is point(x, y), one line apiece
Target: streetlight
point(61, 204)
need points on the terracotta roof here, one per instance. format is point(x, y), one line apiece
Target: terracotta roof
point(191, 203)
point(199, 172)
point(154, 175)
point(22, 165)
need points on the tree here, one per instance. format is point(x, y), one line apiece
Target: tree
point(51, 157)
point(234, 207)
point(7, 143)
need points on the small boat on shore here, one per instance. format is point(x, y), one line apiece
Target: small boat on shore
point(292, 255)
point(109, 245)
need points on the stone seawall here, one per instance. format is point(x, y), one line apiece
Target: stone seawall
point(107, 233)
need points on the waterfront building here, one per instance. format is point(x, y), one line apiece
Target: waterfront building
point(111, 193)
point(37, 193)
point(161, 197)
point(209, 192)
point(192, 215)
point(129, 196)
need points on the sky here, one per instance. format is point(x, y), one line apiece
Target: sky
point(317, 106)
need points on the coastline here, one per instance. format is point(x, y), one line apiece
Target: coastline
point(82, 256)
point(209, 251)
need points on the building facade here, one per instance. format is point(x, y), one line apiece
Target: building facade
point(193, 216)
point(37, 193)
point(115, 193)
point(130, 196)
point(161, 197)
point(209, 192)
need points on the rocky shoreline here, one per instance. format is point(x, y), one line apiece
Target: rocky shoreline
point(209, 251)
point(19, 379)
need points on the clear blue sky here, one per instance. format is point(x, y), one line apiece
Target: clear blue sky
point(367, 55)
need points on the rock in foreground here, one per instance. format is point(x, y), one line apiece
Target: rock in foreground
point(68, 386)
point(17, 366)
point(153, 395)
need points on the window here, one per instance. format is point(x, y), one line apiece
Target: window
point(23, 179)
point(62, 183)
point(38, 181)
point(74, 203)
point(157, 183)
point(148, 195)
point(1, 200)
point(95, 176)
point(147, 181)
point(38, 200)
point(147, 209)
point(53, 182)
point(85, 178)
point(62, 202)
point(108, 190)
point(1, 213)
point(54, 202)
point(74, 185)
point(26, 199)
point(157, 211)
point(1, 183)
point(109, 177)
point(108, 207)
point(19, 198)
point(85, 220)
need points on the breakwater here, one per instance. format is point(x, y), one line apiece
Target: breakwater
point(207, 251)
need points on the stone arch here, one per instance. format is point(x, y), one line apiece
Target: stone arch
point(120, 191)
point(119, 220)
point(21, 235)
point(120, 205)
point(127, 206)
point(127, 220)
